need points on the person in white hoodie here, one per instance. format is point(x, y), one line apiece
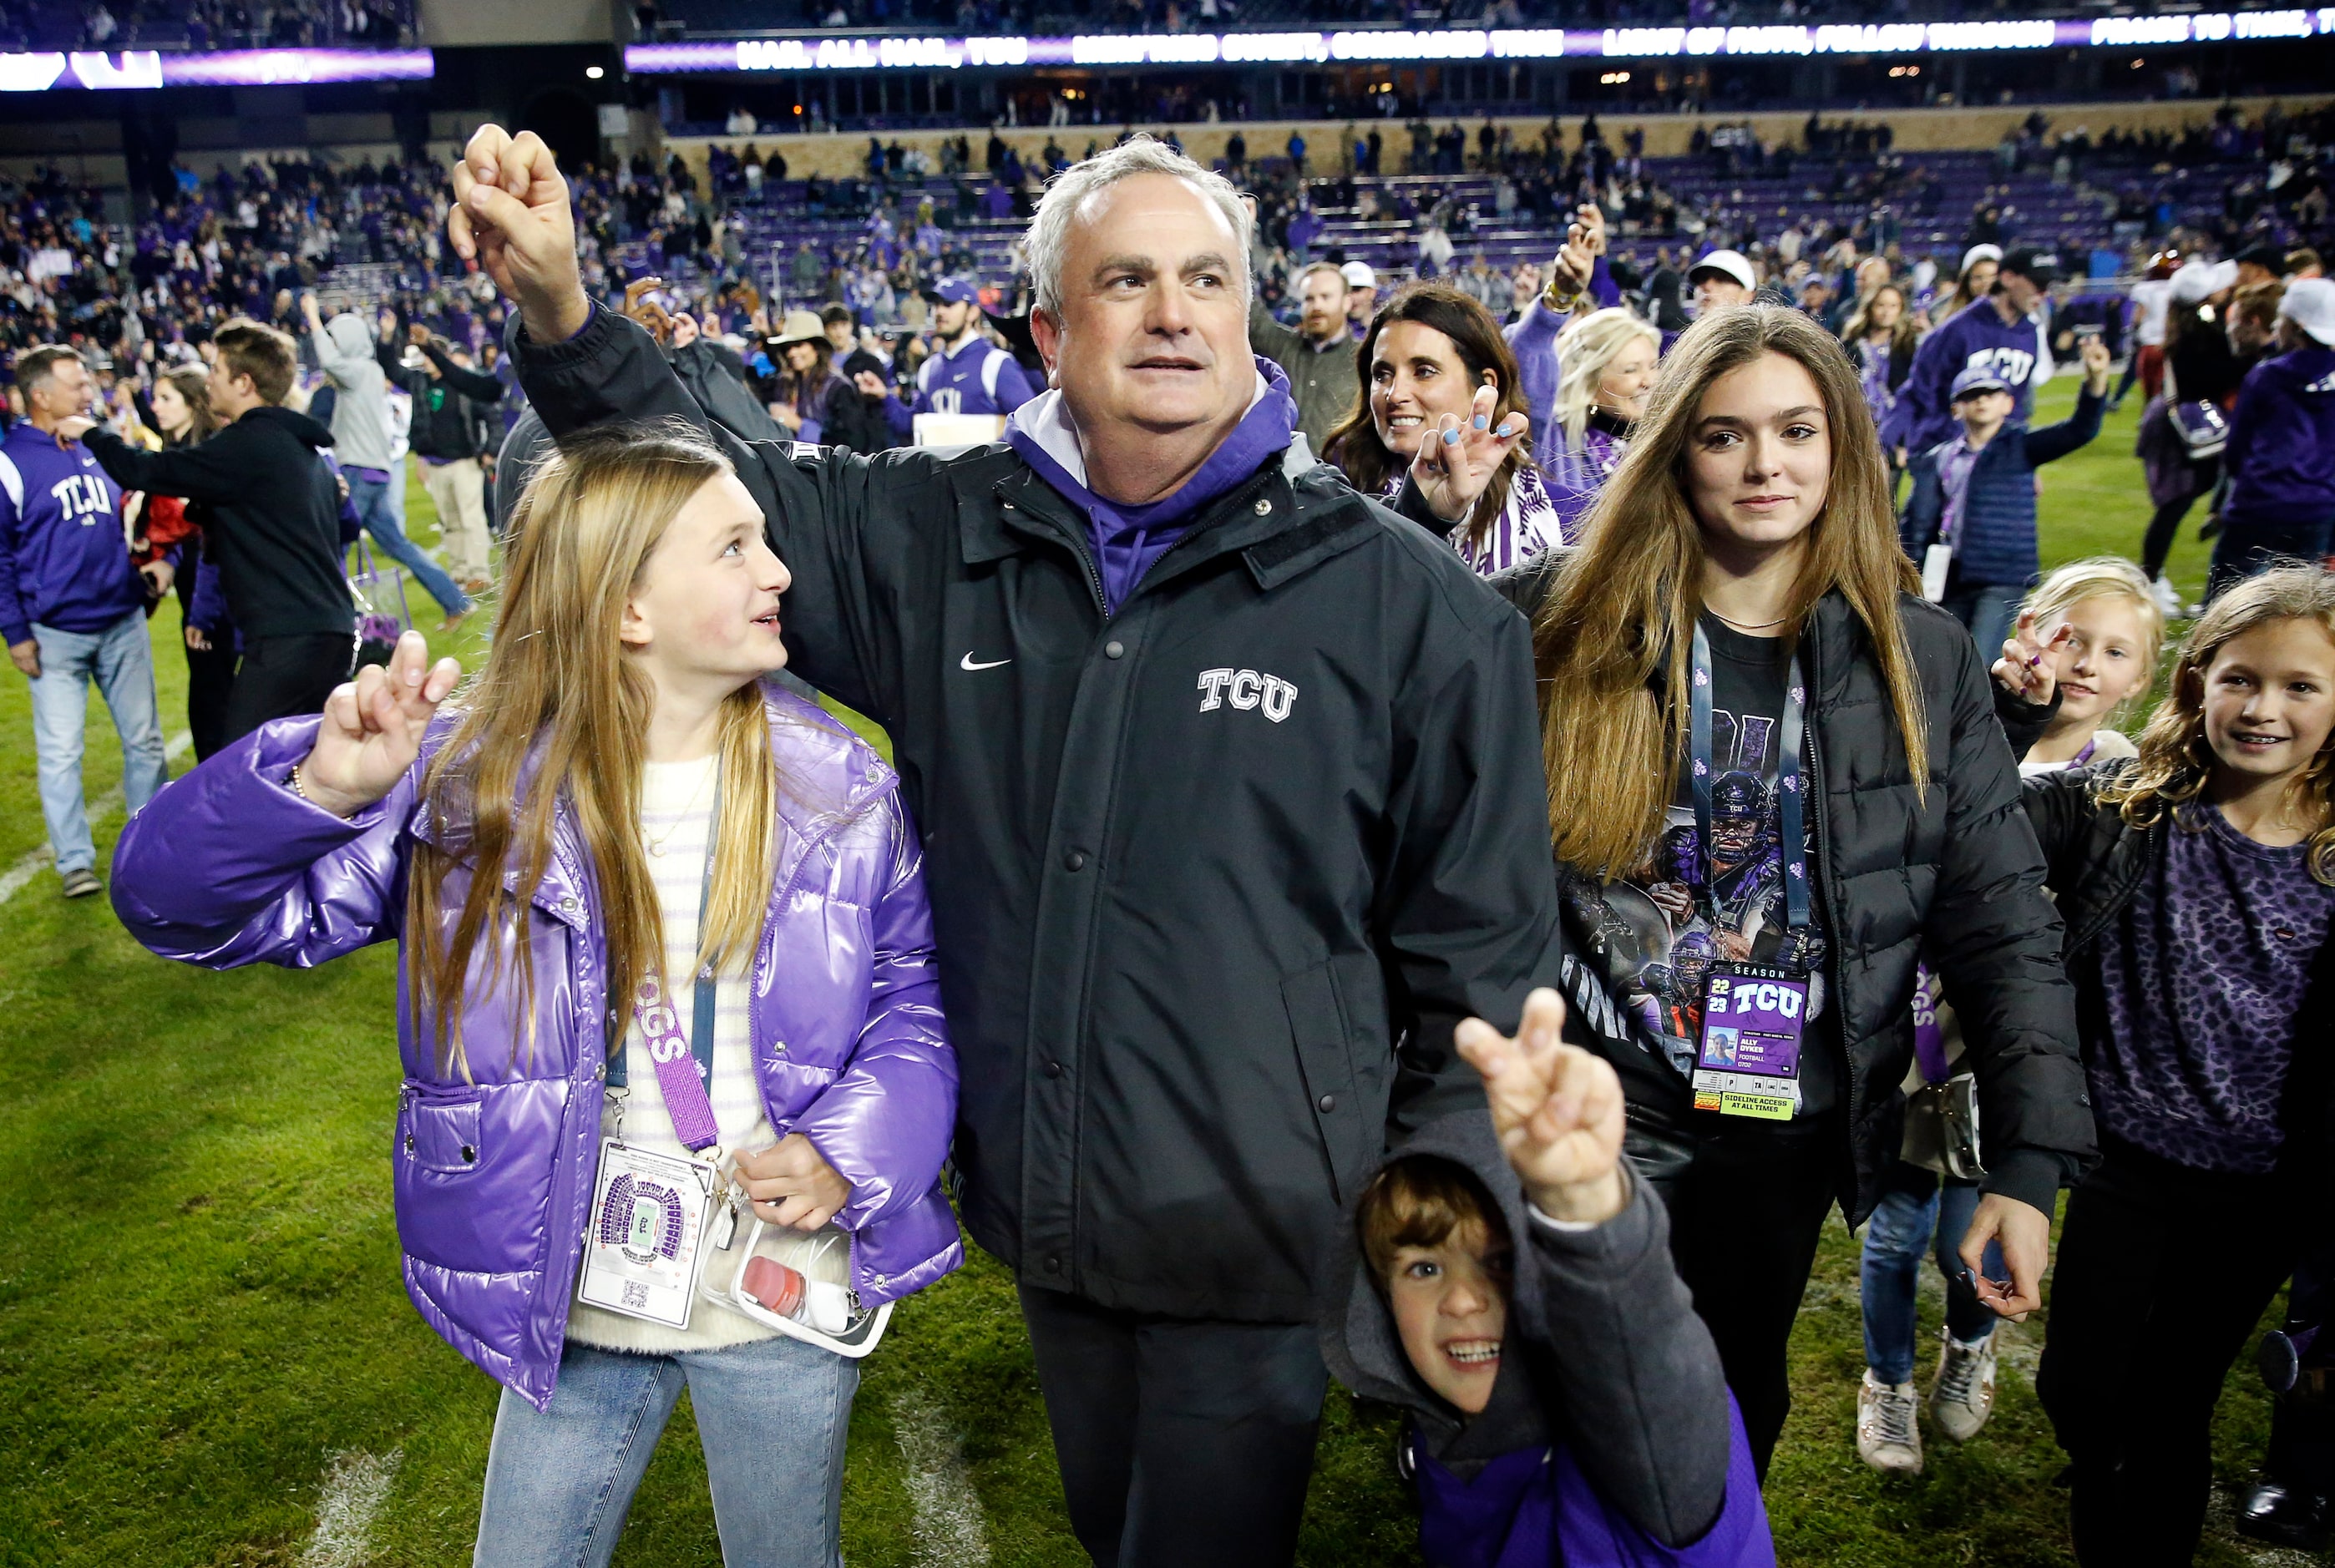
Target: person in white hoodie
point(344, 348)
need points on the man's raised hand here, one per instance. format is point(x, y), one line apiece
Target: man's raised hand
point(373, 726)
point(1558, 1111)
point(511, 215)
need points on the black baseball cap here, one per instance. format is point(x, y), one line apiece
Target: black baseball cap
point(2269, 258)
point(2032, 262)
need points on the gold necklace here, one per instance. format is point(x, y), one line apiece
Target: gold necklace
point(657, 845)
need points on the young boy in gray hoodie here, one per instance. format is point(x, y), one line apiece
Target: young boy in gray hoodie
point(344, 351)
point(1509, 1285)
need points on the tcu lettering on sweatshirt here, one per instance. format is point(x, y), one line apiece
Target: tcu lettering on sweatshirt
point(64, 561)
point(1976, 337)
point(2281, 450)
point(977, 378)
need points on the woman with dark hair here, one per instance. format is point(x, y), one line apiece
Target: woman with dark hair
point(1738, 618)
point(815, 403)
point(181, 405)
point(1432, 363)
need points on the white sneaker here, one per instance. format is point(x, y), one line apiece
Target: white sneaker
point(2168, 597)
point(1962, 1397)
point(1888, 1432)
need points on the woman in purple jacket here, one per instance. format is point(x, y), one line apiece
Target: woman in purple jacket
point(618, 797)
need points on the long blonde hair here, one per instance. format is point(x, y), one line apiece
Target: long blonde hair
point(559, 713)
point(1585, 348)
point(2101, 578)
point(1624, 606)
point(2176, 760)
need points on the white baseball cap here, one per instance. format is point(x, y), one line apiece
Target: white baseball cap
point(1732, 264)
point(2202, 280)
point(1358, 275)
point(2310, 304)
point(1977, 253)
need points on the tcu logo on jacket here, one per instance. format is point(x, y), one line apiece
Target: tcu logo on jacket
point(1248, 689)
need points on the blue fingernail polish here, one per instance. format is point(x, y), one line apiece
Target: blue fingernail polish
point(1483, 421)
point(1450, 438)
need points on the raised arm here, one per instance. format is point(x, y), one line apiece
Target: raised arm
point(475, 385)
point(207, 471)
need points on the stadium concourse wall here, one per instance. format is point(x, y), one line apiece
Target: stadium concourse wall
point(91, 150)
point(1667, 135)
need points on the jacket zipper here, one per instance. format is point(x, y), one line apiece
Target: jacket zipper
point(1824, 884)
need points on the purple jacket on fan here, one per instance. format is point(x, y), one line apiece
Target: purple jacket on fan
point(1924, 414)
point(2280, 454)
point(228, 868)
point(63, 562)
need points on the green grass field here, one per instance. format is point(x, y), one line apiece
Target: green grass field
point(206, 1343)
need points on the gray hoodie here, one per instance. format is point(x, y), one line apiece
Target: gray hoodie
point(1611, 1356)
point(361, 410)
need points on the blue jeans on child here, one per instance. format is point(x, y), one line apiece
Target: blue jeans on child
point(772, 1415)
point(375, 507)
point(1989, 610)
point(122, 662)
point(1913, 1216)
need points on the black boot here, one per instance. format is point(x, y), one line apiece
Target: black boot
point(2285, 1516)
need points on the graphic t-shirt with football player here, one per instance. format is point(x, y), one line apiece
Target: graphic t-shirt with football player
point(1654, 934)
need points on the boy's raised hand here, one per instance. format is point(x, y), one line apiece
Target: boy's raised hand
point(373, 726)
point(1558, 1111)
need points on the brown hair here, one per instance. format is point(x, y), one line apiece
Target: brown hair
point(2175, 759)
point(194, 389)
point(558, 713)
point(1354, 446)
point(1629, 599)
point(1900, 336)
point(1420, 1201)
point(2257, 304)
point(267, 356)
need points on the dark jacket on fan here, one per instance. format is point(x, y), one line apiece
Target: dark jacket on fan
point(274, 527)
point(1214, 876)
point(448, 425)
point(1955, 881)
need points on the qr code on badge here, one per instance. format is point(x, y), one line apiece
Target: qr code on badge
point(636, 1294)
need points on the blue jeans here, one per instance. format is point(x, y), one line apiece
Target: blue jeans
point(122, 662)
point(1912, 1216)
point(376, 508)
point(1989, 610)
point(772, 1415)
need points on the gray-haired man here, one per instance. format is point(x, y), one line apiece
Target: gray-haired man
point(1231, 801)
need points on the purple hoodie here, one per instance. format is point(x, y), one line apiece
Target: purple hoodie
point(1128, 539)
point(1924, 414)
point(2281, 449)
point(227, 866)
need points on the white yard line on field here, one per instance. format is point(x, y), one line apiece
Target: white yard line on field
point(355, 1486)
point(100, 809)
point(950, 1529)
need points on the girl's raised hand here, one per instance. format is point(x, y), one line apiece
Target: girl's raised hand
point(1456, 461)
point(1558, 1111)
point(373, 726)
point(2030, 668)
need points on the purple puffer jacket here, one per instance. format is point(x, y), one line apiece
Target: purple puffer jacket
point(493, 1176)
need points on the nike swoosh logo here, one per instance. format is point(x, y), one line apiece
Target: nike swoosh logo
point(967, 663)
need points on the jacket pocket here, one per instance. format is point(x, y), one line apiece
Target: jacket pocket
point(1348, 1129)
point(473, 1170)
point(441, 1129)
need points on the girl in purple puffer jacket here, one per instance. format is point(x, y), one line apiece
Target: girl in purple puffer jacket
point(619, 796)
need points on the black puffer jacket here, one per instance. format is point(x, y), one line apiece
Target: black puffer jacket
point(1955, 881)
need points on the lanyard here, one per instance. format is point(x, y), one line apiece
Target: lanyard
point(1794, 846)
point(685, 1067)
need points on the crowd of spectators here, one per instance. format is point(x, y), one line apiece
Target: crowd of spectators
point(201, 25)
